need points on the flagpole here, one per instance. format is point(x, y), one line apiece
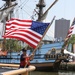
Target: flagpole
point(44, 35)
point(67, 39)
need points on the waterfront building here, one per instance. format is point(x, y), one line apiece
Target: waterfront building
point(61, 28)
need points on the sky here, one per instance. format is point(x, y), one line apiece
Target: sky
point(62, 9)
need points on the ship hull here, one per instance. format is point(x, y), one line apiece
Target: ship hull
point(43, 66)
point(47, 65)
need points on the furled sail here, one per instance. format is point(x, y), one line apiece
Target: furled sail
point(5, 12)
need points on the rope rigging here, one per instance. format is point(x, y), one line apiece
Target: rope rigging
point(23, 8)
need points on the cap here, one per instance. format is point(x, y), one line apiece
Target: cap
point(24, 50)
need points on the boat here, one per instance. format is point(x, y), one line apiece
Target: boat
point(47, 57)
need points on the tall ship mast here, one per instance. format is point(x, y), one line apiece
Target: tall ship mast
point(40, 5)
point(7, 7)
point(42, 15)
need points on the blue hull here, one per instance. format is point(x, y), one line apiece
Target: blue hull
point(39, 59)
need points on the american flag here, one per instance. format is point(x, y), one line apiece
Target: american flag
point(71, 29)
point(28, 31)
point(70, 32)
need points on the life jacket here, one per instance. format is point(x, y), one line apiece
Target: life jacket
point(25, 62)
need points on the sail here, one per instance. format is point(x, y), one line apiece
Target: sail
point(5, 12)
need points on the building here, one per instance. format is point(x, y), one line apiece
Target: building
point(61, 29)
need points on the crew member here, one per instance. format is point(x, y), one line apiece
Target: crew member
point(24, 59)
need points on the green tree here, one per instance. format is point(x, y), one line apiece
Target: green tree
point(13, 45)
point(72, 41)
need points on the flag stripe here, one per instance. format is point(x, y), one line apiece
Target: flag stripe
point(31, 32)
point(19, 26)
point(20, 20)
point(24, 39)
point(70, 31)
point(19, 23)
point(27, 34)
point(15, 23)
point(69, 34)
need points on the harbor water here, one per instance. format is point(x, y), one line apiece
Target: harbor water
point(52, 73)
point(60, 72)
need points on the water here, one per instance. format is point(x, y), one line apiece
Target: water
point(41, 73)
point(53, 73)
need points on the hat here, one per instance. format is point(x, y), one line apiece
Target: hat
point(24, 50)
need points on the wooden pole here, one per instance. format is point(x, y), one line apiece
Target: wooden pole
point(40, 5)
point(9, 65)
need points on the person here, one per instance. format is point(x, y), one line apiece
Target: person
point(53, 51)
point(62, 51)
point(24, 59)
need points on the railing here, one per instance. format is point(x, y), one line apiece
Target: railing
point(9, 65)
point(23, 71)
point(10, 59)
